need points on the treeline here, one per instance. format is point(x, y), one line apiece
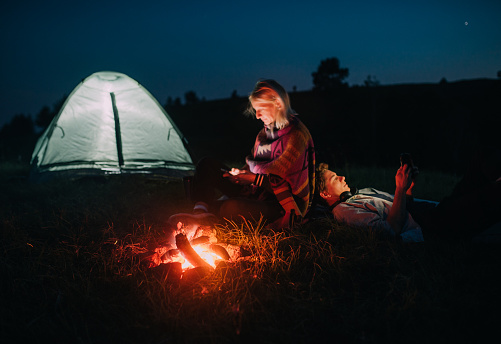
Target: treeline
point(19, 136)
point(440, 124)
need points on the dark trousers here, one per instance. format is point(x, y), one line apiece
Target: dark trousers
point(473, 206)
point(239, 200)
point(461, 217)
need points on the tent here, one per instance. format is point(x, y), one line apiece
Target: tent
point(110, 124)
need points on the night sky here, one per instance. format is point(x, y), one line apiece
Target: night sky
point(216, 47)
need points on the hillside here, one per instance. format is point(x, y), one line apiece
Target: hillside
point(440, 124)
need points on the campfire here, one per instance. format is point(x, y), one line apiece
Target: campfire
point(193, 248)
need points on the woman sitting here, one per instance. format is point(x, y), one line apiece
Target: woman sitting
point(278, 179)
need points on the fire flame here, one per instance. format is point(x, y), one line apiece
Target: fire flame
point(191, 247)
point(205, 253)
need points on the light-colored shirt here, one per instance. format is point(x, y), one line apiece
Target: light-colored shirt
point(369, 208)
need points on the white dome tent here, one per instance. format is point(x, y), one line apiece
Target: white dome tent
point(110, 124)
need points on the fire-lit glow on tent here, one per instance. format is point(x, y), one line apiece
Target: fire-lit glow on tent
point(110, 124)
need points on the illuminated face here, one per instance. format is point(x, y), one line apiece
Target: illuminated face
point(265, 111)
point(334, 185)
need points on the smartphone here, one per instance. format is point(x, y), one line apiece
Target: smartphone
point(406, 159)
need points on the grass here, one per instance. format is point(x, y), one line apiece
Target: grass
point(72, 271)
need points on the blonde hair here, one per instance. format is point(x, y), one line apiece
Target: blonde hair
point(268, 90)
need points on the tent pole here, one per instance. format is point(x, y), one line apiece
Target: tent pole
point(118, 134)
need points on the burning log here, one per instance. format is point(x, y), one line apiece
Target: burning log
point(200, 240)
point(220, 251)
point(169, 272)
point(189, 253)
point(194, 275)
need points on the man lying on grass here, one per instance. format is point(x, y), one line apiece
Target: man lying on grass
point(472, 207)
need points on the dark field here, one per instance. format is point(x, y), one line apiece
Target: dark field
point(72, 253)
point(72, 272)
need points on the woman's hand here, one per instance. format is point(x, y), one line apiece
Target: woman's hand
point(241, 177)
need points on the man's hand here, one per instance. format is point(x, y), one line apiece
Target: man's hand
point(403, 179)
point(398, 214)
point(414, 173)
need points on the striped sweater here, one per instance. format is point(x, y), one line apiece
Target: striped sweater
point(287, 158)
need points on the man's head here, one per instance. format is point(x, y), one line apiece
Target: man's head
point(329, 185)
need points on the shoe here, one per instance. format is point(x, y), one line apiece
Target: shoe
point(193, 220)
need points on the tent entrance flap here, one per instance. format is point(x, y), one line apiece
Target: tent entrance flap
point(118, 134)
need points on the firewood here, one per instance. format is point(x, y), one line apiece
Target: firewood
point(169, 272)
point(220, 251)
point(200, 240)
point(194, 275)
point(189, 253)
